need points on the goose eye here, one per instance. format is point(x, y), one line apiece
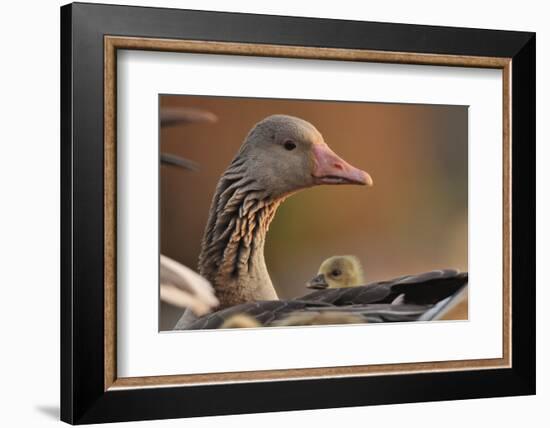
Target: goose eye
point(336, 272)
point(289, 145)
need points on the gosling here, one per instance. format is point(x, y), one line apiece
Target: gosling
point(338, 272)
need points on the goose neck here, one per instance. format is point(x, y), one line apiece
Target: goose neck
point(232, 256)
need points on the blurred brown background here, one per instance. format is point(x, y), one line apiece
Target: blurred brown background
point(414, 219)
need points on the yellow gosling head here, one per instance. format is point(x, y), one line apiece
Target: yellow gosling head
point(338, 272)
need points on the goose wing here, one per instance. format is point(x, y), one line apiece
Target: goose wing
point(374, 313)
point(422, 289)
point(277, 313)
point(421, 297)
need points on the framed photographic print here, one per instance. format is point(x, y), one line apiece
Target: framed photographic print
point(276, 213)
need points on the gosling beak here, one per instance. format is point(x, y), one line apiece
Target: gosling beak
point(329, 168)
point(317, 283)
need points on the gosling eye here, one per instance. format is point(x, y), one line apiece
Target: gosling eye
point(336, 272)
point(289, 145)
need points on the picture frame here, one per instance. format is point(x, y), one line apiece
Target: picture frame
point(91, 35)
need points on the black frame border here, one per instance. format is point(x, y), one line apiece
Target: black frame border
point(83, 399)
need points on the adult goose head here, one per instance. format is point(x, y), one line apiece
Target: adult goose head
point(280, 156)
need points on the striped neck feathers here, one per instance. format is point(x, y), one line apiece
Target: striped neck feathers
point(232, 256)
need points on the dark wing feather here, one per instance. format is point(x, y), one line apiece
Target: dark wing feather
point(432, 290)
point(365, 294)
point(375, 313)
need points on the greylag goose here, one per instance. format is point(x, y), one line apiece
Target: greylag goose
point(338, 272)
point(280, 156)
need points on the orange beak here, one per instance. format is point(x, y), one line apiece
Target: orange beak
point(329, 168)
